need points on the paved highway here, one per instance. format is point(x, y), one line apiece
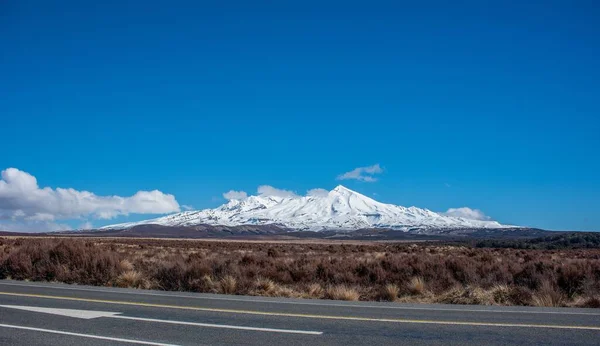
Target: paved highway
point(57, 314)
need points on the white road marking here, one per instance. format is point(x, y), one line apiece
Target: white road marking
point(326, 317)
point(90, 336)
point(226, 326)
point(83, 314)
point(259, 300)
point(90, 314)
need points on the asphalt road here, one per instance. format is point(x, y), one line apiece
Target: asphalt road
point(56, 314)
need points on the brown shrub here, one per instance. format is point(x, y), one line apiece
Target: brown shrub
point(519, 295)
point(69, 261)
point(501, 294)
point(571, 277)
point(466, 295)
point(169, 276)
point(591, 302)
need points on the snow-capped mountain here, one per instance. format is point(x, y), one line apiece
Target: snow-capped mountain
point(340, 209)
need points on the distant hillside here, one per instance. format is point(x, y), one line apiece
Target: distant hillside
point(275, 232)
point(570, 240)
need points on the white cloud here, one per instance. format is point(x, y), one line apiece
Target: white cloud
point(33, 226)
point(36, 217)
point(21, 199)
point(232, 194)
point(187, 207)
point(365, 174)
point(467, 213)
point(86, 225)
point(317, 193)
point(266, 190)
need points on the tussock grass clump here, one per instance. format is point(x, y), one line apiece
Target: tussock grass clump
point(208, 282)
point(390, 292)
point(342, 292)
point(548, 296)
point(228, 284)
point(266, 286)
point(125, 265)
point(416, 286)
point(131, 279)
point(286, 292)
point(315, 290)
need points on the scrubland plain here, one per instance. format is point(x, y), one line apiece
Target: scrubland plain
point(423, 272)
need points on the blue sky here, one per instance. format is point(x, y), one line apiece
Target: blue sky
point(488, 106)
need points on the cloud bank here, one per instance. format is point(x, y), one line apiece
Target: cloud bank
point(32, 226)
point(267, 190)
point(467, 213)
point(317, 193)
point(366, 174)
point(22, 200)
point(235, 195)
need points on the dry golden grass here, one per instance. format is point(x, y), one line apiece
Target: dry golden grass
point(390, 292)
point(286, 292)
point(342, 292)
point(228, 284)
point(125, 265)
point(265, 286)
point(314, 290)
point(416, 286)
point(210, 285)
point(131, 279)
point(548, 296)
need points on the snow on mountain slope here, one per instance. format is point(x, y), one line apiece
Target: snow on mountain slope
point(340, 209)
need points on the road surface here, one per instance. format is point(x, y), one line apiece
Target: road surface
point(57, 314)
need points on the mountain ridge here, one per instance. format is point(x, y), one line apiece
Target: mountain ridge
point(341, 209)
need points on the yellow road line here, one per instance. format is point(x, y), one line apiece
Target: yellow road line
point(286, 314)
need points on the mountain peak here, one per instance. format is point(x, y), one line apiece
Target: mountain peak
point(342, 188)
point(341, 209)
